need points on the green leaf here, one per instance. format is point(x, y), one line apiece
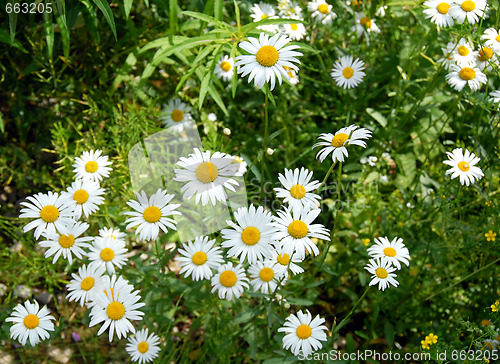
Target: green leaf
point(206, 18)
point(60, 15)
point(208, 77)
point(49, 33)
point(389, 333)
point(305, 47)
point(172, 16)
point(377, 116)
point(237, 13)
point(5, 38)
point(108, 14)
point(218, 7)
point(13, 23)
point(127, 6)
point(2, 128)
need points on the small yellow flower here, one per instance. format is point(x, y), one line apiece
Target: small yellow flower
point(487, 203)
point(431, 338)
point(490, 235)
point(495, 306)
point(425, 344)
point(366, 241)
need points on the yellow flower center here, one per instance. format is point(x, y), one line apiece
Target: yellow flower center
point(226, 66)
point(49, 213)
point(107, 254)
point(266, 274)
point(283, 259)
point(339, 139)
point(87, 283)
point(66, 241)
point(250, 235)
point(152, 214)
point(228, 278)
point(468, 6)
point(463, 166)
point(443, 8)
point(115, 310)
point(31, 321)
point(263, 16)
point(207, 172)
point(485, 54)
point(199, 258)
point(381, 273)
point(497, 38)
point(323, 8)
point(303, 331)
point(143, 347)
point(80, 196)
point(467, 74)
point(91, 167)
point(348, 72)
point(293, 27)
point(298, 229)
point(177, 115)
point(390, 252)
point(267, 56)
point(297, 191)
point(463, 51)
point(366, 22)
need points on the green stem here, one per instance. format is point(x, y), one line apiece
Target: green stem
point(326, 177)
point(344, 321)
point(264, 141)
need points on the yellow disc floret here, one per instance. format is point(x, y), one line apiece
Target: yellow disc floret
point(152, 214)
point(283, 259)
point(390, 252)
point(49, 213)
point(226, 66)
point(484, 54)
point(115, 310)
point(87, 283)
point(31, 321)
point(443, 8)
point(468, 5)
point(267, 56)
point(250, 235)
point(66, 241)
point(266, 274)
point(348, 72)
point(339, 139)
point(381, 273)
point(177, 115)
point(298, 191)
point(80, 196)
point(143, 347)
point(463, 51)
point(199, 258)
point(323, 8)
point(107, 254)
point(304, 331)
point(207, 172)
point(298, 229)
point(463, 166)
point(366, 22)
point(228, 278)
point(467, 74)
point(91, 167)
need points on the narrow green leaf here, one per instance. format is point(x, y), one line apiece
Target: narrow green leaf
point(206, 18)
point(202, 55)
point(208, 76)
point(49, 33)
point(172, 18)
point(108, 14)
point(2, 128)
point(377, 116)
point(218, 7)
point(13, 23)
point(305, 47)
point(218, 100)
point(237, 13)
point(90, 17)
point(60, 15)
point(5, 38)
point(127, 6)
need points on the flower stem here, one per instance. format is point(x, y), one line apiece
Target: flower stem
point(344, 320)
point(326, 177)
point(264, 141)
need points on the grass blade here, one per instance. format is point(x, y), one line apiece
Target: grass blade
point(108, 14)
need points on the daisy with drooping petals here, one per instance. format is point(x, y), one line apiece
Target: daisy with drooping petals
point(335, 144)
point(225, 68)
point(321, 11)
point(175, 113)
point(67, 242)
point(459, 77)
point(437, 10)
point(348, 72)
point(91, 165)
point(471, 10)
point(115, 307)
point(229, 281)
point(463, 166)
point(30, 322)
point(267, 58)
point(283, 262)
point(51, 211)
point(251, 236)
point(207, 175)
point(199, 258)
point(463, 54)
point(265, 278)
point(85, 197)
point(86, 283)
point(112, 233)
point(495, 97)
point(492, 38)
point(486, 59)
point(297, 188)
point(294, 230)
point(381, 270)
point(262, 11)
point(150, 215)
point(108, 253)
point(296, 31)
point(242, 165)
point(303, 334)
point(394, 251)
point(364, 24)
point(143, 348)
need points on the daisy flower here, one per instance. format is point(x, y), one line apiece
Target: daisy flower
point(381, 270)
point(289, 8)
point(108, 253)
point(394, 251)
point(447, 59)
point(112, 233)
point(303, 335)
point(143, 348)
point(283, 262)
point(364, 25)
point(294, 230)
point(437, 10)
point(109, 282)
point(199, 258)
point(67, 242)
point(242, 165)
point(321, 11)
point(468, 9)
point(495, 97)
point(86, 283)
point(492, 38)
point(296, 31)
point(224, 69)
point(150, 215)
point(294, 77)
point(175, 113)
point(335, 143)
point(229, 281)
point(51, 212)
point(91, 165)
point(297, 188)
point(30, 322)
point(463, 166)
point(267, 58)
point(347, 72)
point(486, 58)
point(463, 54)
point(115, 307)
point(262, 11)
point(459, 77)
point(85, 197)
point(265, 277)
point(207, 175)
point(251, 236)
